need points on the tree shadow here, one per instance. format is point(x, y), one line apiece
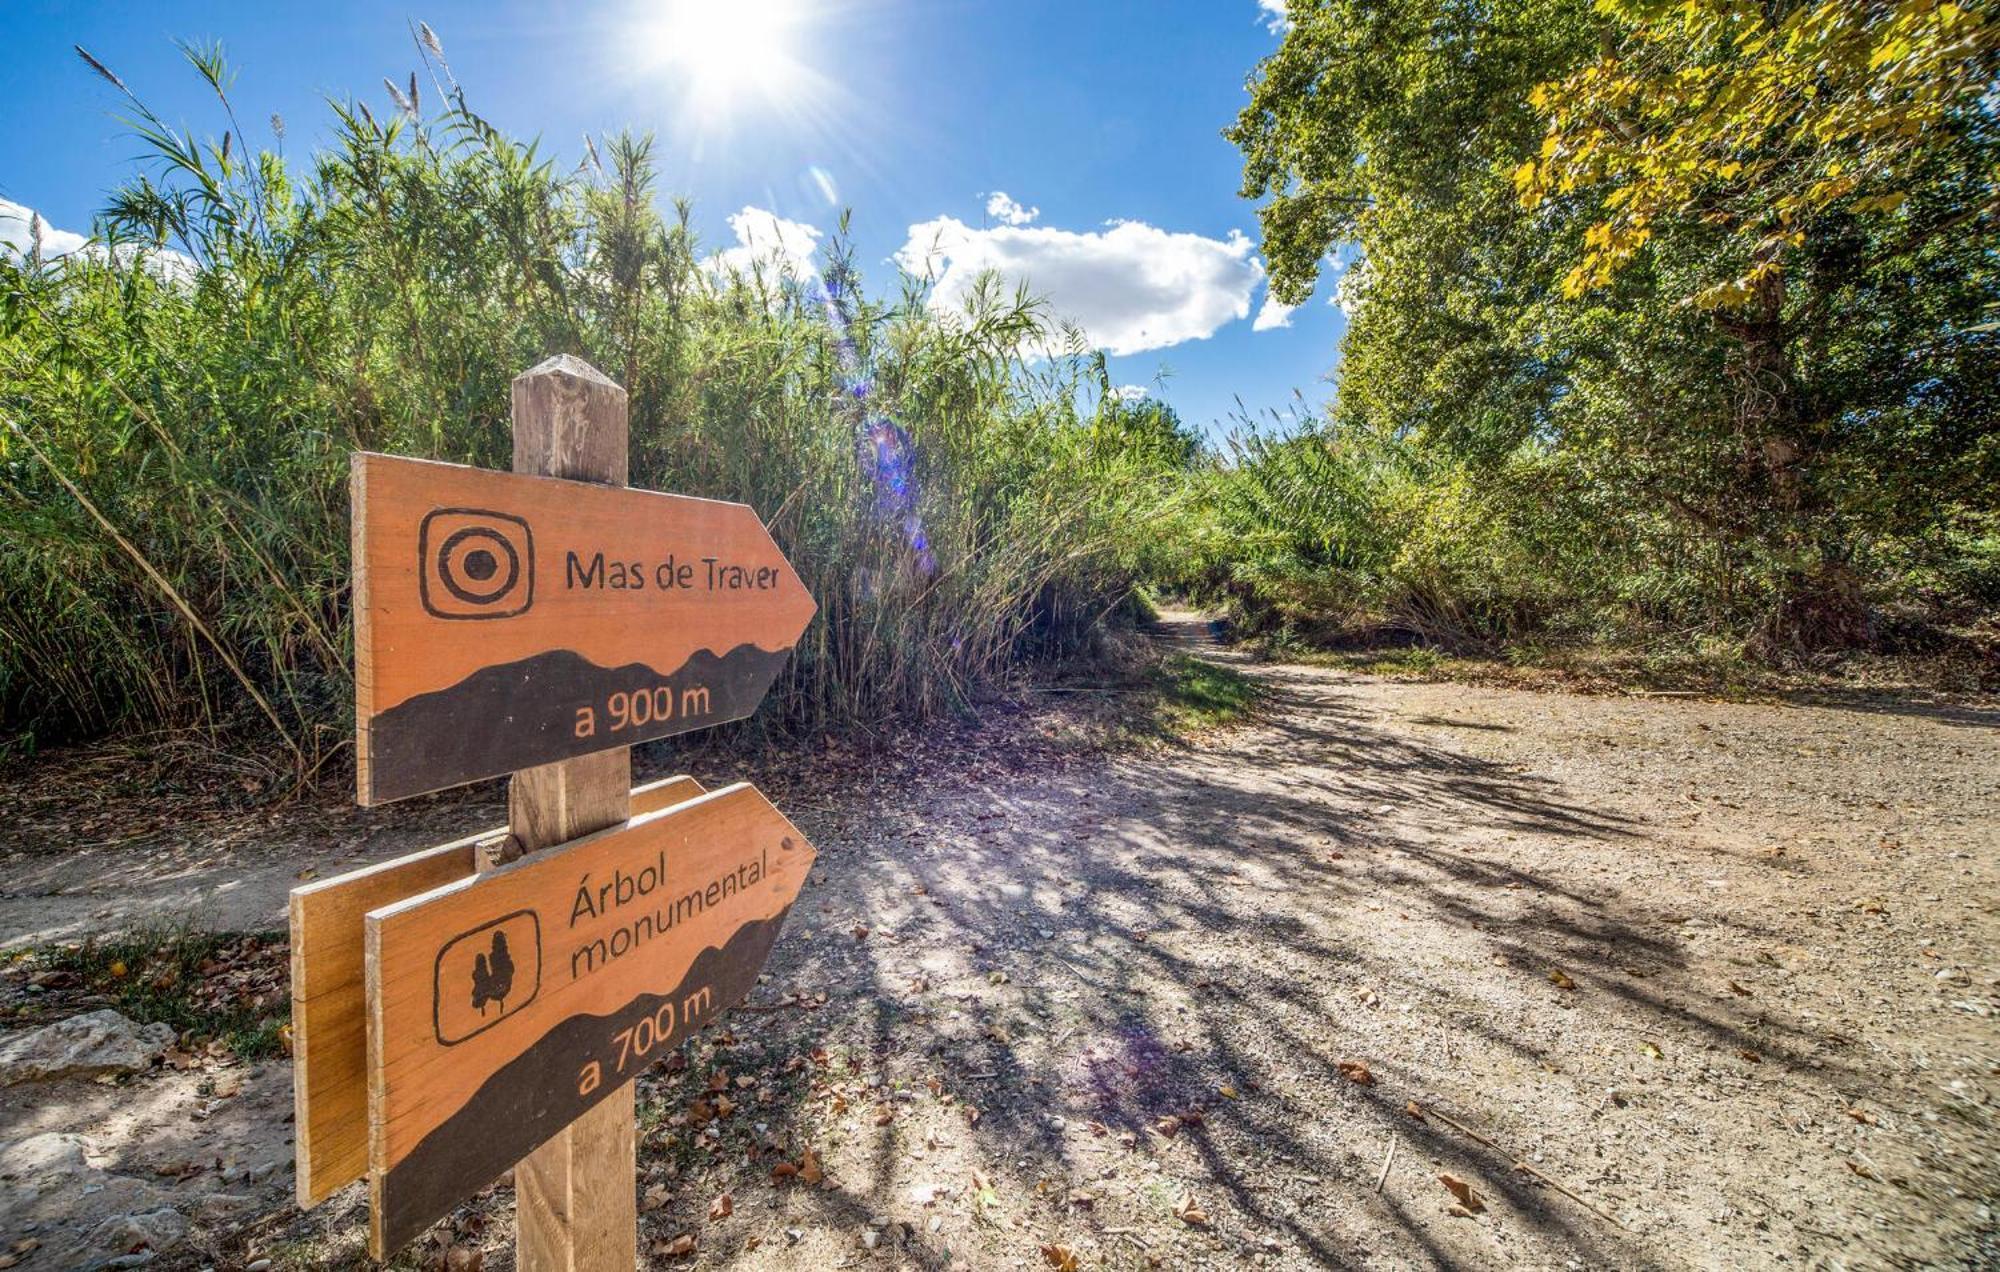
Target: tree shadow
point(1165, 929)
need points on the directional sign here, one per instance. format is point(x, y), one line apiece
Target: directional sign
point(504, 621)
point(330, 1005)
point(504, 1006)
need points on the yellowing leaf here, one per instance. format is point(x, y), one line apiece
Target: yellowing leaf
point(1463, 1191)
point(1190, 1213)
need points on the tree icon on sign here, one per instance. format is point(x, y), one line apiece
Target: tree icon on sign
point(492, 976)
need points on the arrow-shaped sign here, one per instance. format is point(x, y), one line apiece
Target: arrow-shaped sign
point(504, 621)
point(504, 1006)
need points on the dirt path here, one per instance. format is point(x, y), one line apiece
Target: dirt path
point(1728, 973)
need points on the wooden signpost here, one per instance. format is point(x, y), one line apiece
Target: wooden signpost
point(329, 1002)
point(487, 1003)
point(507, 1005)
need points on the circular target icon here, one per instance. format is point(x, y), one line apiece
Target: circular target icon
point(470, 565)
point(476, 563)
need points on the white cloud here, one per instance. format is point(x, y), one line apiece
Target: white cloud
point(1001, 207)
point(1272, 314)
point(1129, 392)
point(765, 238)
point(1278, 17)
point(18, 231)
point(1130, 287)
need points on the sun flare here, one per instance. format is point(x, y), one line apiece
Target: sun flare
point(727, 54)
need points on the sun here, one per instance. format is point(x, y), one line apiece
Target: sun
point(726, 54)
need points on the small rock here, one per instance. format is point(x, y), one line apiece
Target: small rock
point(154, 1232)
point(94, 1044)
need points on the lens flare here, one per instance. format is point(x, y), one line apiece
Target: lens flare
point(821, 182)
point(882, 448)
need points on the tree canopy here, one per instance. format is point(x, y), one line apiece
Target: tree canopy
point(1712, 279)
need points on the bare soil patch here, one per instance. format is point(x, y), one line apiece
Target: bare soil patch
point(1358, 984)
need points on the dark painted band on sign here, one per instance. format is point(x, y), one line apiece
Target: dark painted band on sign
point(555, 706)
point(537, 1094)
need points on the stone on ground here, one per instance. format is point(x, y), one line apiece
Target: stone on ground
point(94, 1044)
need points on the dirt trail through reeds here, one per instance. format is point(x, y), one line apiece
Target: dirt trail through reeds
point(1398, 975)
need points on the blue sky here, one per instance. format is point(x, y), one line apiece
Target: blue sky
point(1101, 118)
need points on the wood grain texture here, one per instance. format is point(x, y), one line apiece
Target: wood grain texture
point(329, 1002)
point(329, 1007)
point(570, 421)
point(616, 947)
point(575, 1197)
point(498, 614)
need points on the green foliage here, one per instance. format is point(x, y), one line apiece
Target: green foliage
point(1332, 533)
point(209, 986)
point(173, 457)
point(1198, 694)
point(1679, 316)
point(1762, 121)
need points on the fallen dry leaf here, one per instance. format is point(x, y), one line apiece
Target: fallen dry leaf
point(1190, 1213)
point(679, 1248)
point(1750, 1055)
point(1463, 1191)
point(1356, 1071)
point(656, 1196)
point(884, 1115)
point(1168, 1126)
point(1228, 1092)
point(809, 1167)
point(722, 1207)
point(783, 1170)
point(1060, 1257)
point(1414, 1110)
point(1560, 979)
point(1862, 1116)
point(860, 932)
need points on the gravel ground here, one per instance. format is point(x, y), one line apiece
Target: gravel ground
point(1661, 982)
point(1725, 973)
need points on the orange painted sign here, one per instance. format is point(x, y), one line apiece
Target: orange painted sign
point(505, 621)
point(503, 1006)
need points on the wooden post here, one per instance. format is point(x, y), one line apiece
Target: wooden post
point(575, 1198)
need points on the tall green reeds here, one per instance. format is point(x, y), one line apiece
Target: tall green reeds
point(180, 400)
